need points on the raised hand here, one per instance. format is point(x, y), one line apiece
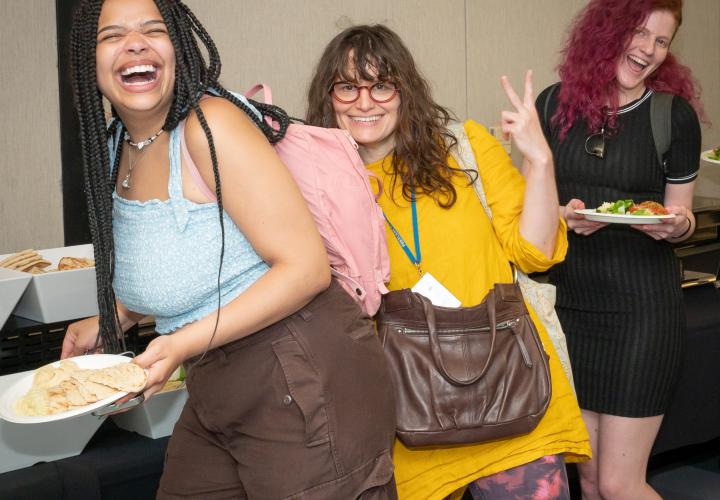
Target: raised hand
point(523, 124)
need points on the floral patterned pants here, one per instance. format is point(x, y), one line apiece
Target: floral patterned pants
point(542, 479)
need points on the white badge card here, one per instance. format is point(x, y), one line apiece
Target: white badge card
point(431, 288)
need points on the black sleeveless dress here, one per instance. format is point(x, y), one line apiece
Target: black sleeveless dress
point(618, 292)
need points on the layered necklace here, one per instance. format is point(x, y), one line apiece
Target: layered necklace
point(140, 145)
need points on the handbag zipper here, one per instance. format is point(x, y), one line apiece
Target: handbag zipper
point(424, 331)
point(511, 323)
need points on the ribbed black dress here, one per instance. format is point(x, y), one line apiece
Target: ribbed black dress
point(618, 291)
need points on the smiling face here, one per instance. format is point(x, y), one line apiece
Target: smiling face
point(646, 51)
point(135, 58)
point(370, 123)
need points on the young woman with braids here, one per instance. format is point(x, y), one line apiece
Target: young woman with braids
point(367, 83)
point(289, 394)
point(618, 291)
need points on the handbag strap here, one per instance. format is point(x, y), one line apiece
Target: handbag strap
point(436, 350)
point(465, 158)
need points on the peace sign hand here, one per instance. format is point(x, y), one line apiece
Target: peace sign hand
point(523, 124)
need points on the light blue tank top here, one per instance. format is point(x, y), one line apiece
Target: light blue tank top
point(167, 254)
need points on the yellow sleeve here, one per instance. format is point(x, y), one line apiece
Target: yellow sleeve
point(504, 188)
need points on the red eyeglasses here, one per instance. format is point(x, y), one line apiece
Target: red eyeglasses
point(348, 93)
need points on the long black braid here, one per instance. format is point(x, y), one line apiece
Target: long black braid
point(194, 77)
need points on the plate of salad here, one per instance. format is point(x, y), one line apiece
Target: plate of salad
point(711, 155)
point(627, 212)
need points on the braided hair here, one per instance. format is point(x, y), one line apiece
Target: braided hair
point(194, 77)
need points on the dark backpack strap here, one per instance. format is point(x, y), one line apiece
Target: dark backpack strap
point(547, 102)
point(661, 124)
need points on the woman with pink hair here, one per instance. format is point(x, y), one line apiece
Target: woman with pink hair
point(619, 296)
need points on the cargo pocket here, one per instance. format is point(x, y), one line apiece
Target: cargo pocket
point(305, 388)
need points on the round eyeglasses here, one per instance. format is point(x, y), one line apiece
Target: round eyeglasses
point(347, 93)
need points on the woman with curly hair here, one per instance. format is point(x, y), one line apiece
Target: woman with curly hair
point(288, 387)
point(366, 82)
point(618, 291)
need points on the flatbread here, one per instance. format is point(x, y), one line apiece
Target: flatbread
point(171, 385)
point(49, 376)
point(11, 260)
point(38, 264)
point(67, 263)
point(30, 261)
point(87, 393)
point(35, 402)
point(65, 387)
point(98, 391)
point(71, 393)
point(127, 377)
point(41, 401)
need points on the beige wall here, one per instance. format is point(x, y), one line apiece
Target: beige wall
point(30, 170)
point(280, 41)
point(462, 46)
point(699, 47)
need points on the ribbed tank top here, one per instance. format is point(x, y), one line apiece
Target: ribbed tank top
point(167, 253)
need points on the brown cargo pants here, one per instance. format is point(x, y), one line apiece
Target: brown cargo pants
point(302, 409)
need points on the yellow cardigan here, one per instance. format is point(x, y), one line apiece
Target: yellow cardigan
point(468, 254)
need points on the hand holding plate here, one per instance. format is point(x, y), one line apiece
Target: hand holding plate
point(160, 359)
point(577, 222)
point(669, 228)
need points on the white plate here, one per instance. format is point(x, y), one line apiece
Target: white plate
point(591, 214)
point(23, 385)
point(705, 155)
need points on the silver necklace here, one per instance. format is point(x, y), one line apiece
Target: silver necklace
point(139, 146)
point(146, 142)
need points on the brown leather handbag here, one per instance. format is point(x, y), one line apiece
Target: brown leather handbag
point(465, 375)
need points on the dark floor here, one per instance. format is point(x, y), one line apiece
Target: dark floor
point(690, 473)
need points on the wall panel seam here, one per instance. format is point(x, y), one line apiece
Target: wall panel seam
point(467, 63)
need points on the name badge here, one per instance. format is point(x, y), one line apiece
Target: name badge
point(431, 288)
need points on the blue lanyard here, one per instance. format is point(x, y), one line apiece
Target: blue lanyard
point(415, 259)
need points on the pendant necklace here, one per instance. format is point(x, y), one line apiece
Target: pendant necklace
point(139, 146)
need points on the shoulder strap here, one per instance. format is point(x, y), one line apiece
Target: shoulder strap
point(661, 124)
point(191, 167)
point(547, 102)
point(465, 157)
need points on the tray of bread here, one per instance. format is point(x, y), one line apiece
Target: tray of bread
point(62, 285)
point(31, 261)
